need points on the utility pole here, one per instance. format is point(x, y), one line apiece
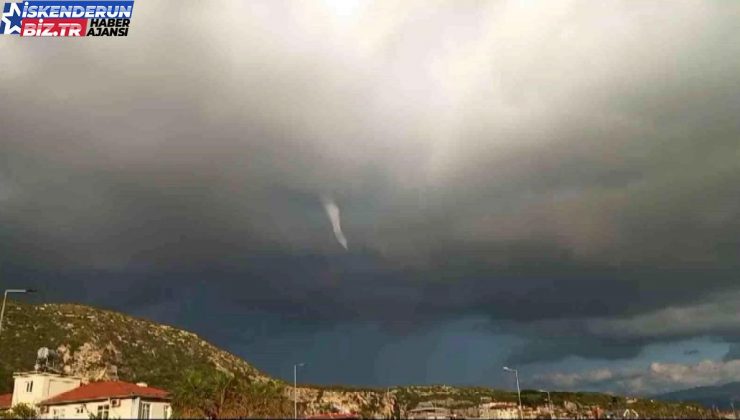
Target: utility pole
point(518, 391)
point(5, 298)
point(295, 389)
point(549, 400)
point(388, 397)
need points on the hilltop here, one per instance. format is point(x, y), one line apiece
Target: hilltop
point(208, 381)
point(97, 344)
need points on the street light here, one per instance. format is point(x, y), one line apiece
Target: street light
point(5, 298)
point(732, 404)
point(390, 401)
point(549, 401)
point(518, 391)
point(295, 388)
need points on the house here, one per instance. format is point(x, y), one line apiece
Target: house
point(498, 410)
point(63, 397)
point(31, 388)
point(109, 399)
point(429, 411)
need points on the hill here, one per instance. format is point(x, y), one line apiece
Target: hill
point(209, 382)
point(709, 396)
point(97, 343)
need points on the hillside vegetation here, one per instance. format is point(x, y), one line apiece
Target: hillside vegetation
point(91, 341)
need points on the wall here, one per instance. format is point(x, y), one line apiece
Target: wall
point(157, 409)
point(128, 409)
point(44, 386)
point(70, 411)
point(56, 386)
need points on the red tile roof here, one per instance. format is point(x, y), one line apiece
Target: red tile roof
point(95, 391)
point(5, 401)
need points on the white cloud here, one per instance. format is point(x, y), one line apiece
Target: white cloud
point(656, 378)
point(716, 314)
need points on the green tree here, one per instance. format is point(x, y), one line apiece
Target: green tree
point(222, 388)
point(261, 399)
point(22, 411)
point(204, 394)
point(192, 396)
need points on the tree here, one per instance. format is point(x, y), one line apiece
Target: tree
point(214, 394)
point(222, 388)
point(204, 394)
point(193, 395)
point(22, 411)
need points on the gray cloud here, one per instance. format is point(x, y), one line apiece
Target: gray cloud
point(572, 168)
point(657, 377)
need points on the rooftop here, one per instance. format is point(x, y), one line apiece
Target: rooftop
point(41, 373)
point(96, 391)
point(5, 401)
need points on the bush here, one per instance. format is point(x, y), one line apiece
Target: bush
point(214, 394)
point(20, 411)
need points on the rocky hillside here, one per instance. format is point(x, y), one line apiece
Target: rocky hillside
point(464, 402)
point(368, 403)
point(99, 344)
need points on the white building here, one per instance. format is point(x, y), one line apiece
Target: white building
point(498, 410)
point(428, 411)
point(33, 387)
point(63, 397)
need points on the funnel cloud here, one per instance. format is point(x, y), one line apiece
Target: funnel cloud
point(332, 211)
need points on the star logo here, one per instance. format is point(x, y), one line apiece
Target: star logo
point(10, 24)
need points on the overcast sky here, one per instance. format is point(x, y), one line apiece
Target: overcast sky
point(548, 185)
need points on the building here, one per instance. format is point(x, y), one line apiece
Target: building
point(498, 410)
point(109, 399)
point(334, 416)
point(31, 388)
point(429, 411)
point(62, 397)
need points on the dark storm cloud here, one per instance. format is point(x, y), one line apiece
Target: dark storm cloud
point(572, 168)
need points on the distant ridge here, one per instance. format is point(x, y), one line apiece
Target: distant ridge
point(709, 396)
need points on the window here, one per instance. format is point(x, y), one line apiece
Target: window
point(79, 410)
point(29, 386)
point(57, 413)
point(103, 411)
point(144, 409)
